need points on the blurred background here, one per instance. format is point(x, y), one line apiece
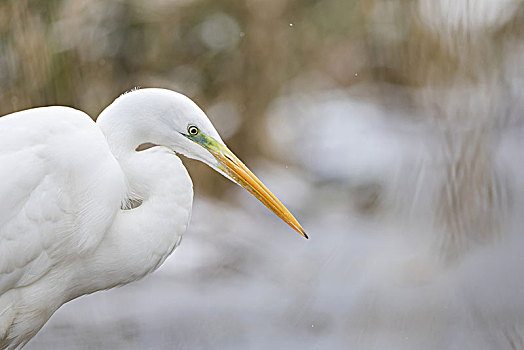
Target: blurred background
point(391, 128)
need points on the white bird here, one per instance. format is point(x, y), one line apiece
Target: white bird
point(66, 184)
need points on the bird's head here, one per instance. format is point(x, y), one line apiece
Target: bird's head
point(170, 119)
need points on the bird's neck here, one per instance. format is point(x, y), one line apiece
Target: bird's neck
point(141, 238)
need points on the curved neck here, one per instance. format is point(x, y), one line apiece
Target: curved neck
point(140, 239)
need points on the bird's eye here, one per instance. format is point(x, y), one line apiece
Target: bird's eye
point(192, 130)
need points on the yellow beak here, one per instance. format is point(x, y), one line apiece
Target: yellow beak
point(232, 166)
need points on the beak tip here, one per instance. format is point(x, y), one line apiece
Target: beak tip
point(303, 233)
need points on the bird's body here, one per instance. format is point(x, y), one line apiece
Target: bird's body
point(65, 182)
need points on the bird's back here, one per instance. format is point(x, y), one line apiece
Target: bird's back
point(60, 188)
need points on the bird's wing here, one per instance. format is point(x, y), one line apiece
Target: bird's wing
point(60, 188)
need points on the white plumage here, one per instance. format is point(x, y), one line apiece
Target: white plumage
point(63, 183)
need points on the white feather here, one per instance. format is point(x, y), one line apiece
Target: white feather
point(63, 182)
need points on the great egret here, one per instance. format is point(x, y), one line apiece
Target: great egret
point(65, 185)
